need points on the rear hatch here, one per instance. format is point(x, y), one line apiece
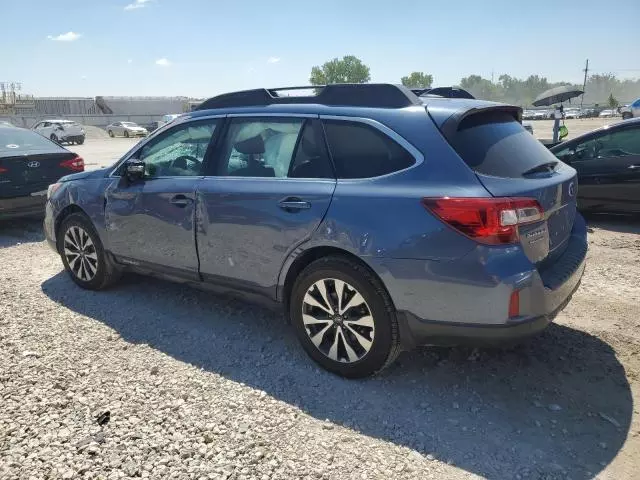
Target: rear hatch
point(510, 162)
point(71, 129)
point(29, 163)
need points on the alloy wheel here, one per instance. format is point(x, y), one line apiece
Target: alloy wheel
point(338, 320)
point(80, 253)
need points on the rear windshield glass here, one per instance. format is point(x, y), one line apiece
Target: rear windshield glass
point(496, 144)
point(15, 141)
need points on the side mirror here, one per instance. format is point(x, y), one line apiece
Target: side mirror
point(135, 169)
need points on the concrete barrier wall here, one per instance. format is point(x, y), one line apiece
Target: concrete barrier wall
point(27, 121)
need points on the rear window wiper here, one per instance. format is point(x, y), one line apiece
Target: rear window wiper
point(547, 167)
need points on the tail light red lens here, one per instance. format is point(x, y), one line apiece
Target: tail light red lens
point(514, 304)
point(493, 221)
point(76, 164)
point(3, 170)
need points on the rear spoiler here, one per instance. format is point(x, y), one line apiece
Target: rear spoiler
point(452, 124)
point(444, 92)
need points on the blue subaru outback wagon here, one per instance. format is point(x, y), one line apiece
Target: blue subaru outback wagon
point(380, 220)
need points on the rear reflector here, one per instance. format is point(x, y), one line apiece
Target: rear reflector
point(3, 170)
point(514, 304)
point(493, 221)
point(76, 164)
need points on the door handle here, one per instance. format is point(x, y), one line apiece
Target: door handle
point(633, 167)
point(181, 201)
point(294, 204)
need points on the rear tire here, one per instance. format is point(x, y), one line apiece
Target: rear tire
point(355, 334)
point(126, 134)
point(83, 255)
point(54, 139)
point(111, 133)
point(80, 141)
point(626, 116)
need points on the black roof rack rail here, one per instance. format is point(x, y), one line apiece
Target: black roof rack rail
point(445, 92)
point(376, 95)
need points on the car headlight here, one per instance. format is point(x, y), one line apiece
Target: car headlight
point(53, 188)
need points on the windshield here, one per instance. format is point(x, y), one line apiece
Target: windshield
point(129, 124)
point(15, 141)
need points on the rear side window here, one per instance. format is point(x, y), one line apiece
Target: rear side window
point(362, 151)
point(496, 144)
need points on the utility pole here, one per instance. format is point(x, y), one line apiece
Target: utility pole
point(584, 84)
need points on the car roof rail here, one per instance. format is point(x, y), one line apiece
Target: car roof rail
point(445, 92)
point(375, 95)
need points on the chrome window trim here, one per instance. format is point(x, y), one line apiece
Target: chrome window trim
point(153, 135)
point(395, 136)
point(273, 114)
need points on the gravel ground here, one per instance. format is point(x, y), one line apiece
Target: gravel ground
point(156, 380)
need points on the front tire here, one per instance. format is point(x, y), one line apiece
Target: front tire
point(111, 133)
point(126, 134)
point(80, 141)
point(54, 139)
point(626, 116)
point(344, 317)
point(83, 255)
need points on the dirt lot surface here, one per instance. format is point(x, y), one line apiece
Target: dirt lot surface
point(544, 128)
point(199, 386)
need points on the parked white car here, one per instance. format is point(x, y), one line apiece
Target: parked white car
point(60, 131)
point(126, 129)
point(606, 113)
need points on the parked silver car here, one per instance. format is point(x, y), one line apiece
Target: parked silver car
point(631, 111)
point(126, 129)
point(60, 131)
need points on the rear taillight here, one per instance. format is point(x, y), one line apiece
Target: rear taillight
point(3, 170)
point(514, 304)
point(493, 221)
point(76, 164)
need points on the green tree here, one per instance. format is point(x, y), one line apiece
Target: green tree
point(480, 87)
point(417, 80)
point(349, 69)
point(613, 103)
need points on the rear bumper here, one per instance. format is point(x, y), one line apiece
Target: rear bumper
point(467, 300)
point(22, 206)
point(420, 332)
point(73, 138)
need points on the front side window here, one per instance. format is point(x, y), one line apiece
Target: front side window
point(608, 145)
point(179, 151)
point(362, 151)
point(272, 147)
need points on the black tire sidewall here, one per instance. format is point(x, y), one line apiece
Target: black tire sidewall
point(383, 340)
point(81, 221)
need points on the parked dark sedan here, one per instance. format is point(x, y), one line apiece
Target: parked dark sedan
point(608, 165)
point(29, 163)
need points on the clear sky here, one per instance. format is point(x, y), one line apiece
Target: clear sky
point(205, 47)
